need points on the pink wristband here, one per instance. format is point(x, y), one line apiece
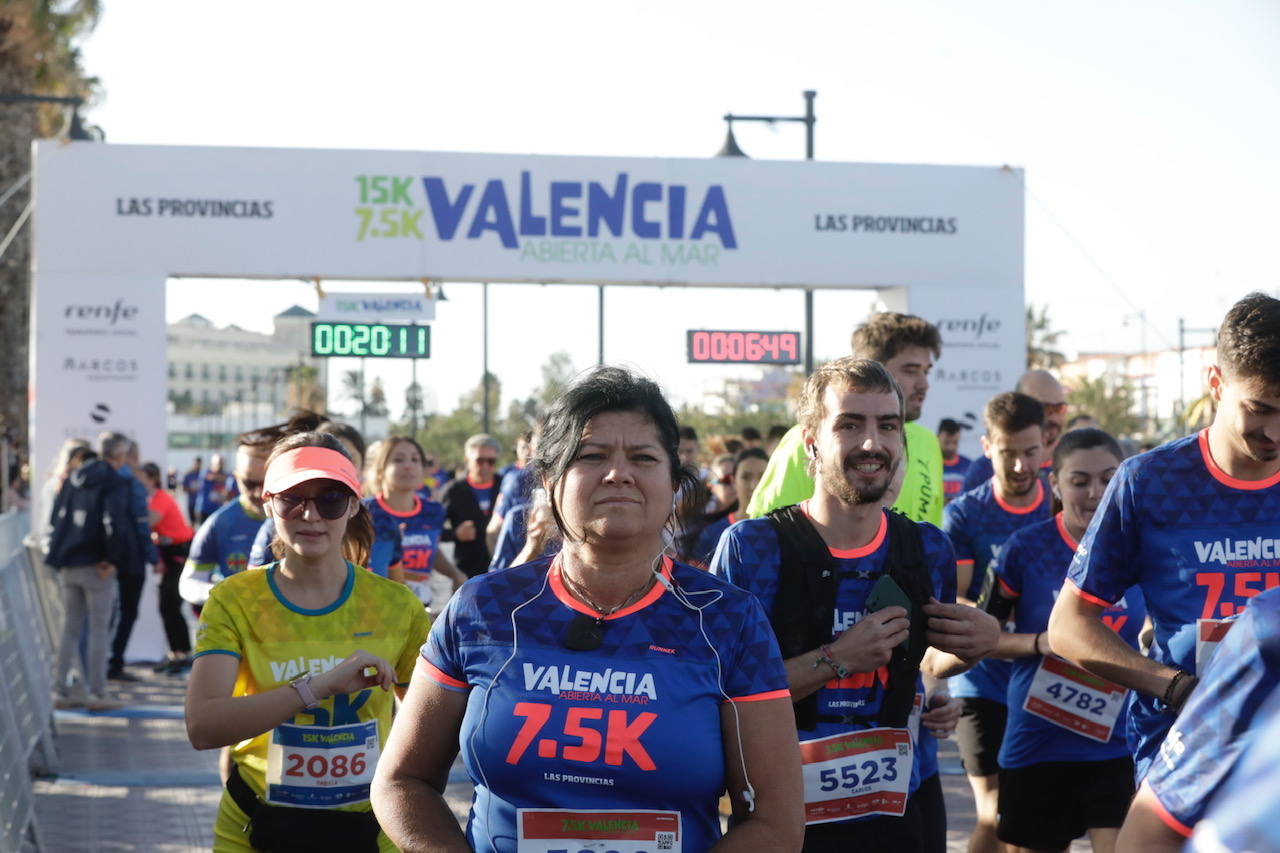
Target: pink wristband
point(303, 686)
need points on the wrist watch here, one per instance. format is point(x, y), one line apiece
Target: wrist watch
point(302, 684)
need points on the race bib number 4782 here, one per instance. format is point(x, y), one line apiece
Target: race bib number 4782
point(1074, 699)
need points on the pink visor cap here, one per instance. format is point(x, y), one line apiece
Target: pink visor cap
point(303, 464)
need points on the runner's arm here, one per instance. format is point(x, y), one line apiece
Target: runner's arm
point(442, 564)
point(959, 636)
point(771, 754)
point(865, 647)
point(195, 582)
point(1077, 633)
point(408, 786)
point(491, 531)
point(216, 718)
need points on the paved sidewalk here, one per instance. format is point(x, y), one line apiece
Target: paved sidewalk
point(129, 780)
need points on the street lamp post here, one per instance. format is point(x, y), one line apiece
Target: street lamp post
point(731, 149)
point(1183, 329)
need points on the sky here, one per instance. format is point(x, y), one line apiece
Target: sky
point(1148, 133)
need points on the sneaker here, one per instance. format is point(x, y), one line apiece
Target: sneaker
point(121, 675)
point(103, 703)
point(64, 702)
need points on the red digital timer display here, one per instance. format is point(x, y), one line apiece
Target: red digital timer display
point(740, 347)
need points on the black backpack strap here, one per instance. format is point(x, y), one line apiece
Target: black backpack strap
point(801, 616)
point(907, 567)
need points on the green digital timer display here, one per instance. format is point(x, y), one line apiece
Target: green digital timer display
point(336, 339)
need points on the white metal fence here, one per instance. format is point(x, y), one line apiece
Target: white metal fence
point(29, 615)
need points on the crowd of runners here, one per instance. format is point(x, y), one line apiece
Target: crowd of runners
point(626, 630)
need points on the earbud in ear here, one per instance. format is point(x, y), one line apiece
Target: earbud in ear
point(813, 451)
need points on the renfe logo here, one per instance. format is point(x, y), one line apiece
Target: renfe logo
point(648, 210)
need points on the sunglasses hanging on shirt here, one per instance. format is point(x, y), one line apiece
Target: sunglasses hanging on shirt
point(585, 633)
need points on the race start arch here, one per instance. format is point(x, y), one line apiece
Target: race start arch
point(113, 222)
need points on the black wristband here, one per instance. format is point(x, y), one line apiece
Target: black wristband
point(1180, 687)
point(1035, 644)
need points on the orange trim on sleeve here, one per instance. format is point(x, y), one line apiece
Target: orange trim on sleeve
point(760, 697)
point(425, 667)
point(1008, 590)
point(1092, 599)
point(1148, 796)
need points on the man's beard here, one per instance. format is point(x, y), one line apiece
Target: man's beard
point(1020, 489)
point(836, 480)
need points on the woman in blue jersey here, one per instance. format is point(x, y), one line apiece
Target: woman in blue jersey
point(1065, 766)
point(399, 512)
point(294, 664)
point(604, 697)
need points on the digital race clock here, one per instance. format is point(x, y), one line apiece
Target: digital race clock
point(330, 339)
point(738, 347)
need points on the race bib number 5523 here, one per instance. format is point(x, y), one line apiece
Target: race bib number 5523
point(856, 774)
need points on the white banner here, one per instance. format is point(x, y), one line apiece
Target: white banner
point(376, 307)
point(490, 217)
point(113, 222)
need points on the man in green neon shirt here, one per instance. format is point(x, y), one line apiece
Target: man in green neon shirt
point(907, 345)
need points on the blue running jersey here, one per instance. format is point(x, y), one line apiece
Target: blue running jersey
point(978, 523)
point(953, 471)
point(1031, 567)
point(1199, 543)
point(516, 488)
point(709, 538)
point(261, 554)
point(749, 557)
point(1217, 727)
point(219, 549)
point(631, 725)
point(419, 530)
point(1245, 814)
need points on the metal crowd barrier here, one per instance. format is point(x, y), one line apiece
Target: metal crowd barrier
point(26, 658)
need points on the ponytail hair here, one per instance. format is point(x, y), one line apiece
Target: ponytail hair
point(357, 540)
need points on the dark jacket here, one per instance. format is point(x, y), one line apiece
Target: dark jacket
point(460, 505)
point(92, 520)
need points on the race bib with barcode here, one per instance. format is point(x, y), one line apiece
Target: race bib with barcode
point(856, 774)
point(320, 767)
point(1076, 700)
point(576, 830)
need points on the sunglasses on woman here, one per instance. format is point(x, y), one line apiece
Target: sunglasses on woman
point(330, 505)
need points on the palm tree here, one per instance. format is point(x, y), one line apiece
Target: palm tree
point(304, 390)
point(1042, 341)
point(1111, 404)
point(38, 56)
point(353, 389)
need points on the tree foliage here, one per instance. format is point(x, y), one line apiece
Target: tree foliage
point(303, 389)
point(1112, 404)
point(1043, 341)
point(39, 55)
